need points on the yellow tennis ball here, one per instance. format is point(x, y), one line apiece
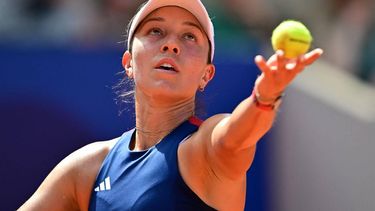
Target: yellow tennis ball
point(292, 37)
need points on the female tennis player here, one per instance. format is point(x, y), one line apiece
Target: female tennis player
point(172, 160)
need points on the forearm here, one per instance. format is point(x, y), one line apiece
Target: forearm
point(246, 125)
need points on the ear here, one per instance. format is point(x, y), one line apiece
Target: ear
point(127, 64)
point(208, 74)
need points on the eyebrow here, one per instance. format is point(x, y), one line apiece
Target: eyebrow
point(160, 19)
point(194, 25)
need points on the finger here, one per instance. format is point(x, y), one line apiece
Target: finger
point(300, 64)
point(262, 64)
point(281, 61)
point(312, 56)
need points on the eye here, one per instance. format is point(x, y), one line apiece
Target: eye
point(155, 32)
point(190, 36)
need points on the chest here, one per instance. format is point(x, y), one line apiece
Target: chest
point(139, 180)
point(145, 180)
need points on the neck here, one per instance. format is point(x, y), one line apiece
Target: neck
point(156, 120)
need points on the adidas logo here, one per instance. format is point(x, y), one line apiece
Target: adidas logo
point(103, 186)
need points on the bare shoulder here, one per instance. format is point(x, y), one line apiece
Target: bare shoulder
point(86, 163)
point(69, 184)
point(88, 157)
point(213, 120)
point(209, 124)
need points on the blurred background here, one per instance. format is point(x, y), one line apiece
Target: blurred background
point(61, 59)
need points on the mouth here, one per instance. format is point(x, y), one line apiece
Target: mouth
point(167, 65)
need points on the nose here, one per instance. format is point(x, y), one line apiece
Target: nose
point(170, 46)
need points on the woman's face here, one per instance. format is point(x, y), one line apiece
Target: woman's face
point(169, 56)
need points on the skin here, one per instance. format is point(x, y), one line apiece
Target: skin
point(214, 160)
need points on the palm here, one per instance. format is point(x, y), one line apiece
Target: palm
point(278, 72)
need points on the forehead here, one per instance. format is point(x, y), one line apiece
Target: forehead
point(173, 14)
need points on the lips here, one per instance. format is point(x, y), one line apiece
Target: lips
point(167, 64)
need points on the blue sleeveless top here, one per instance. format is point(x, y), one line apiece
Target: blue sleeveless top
point(145, 180)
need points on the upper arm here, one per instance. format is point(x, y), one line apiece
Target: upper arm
point(224, 158)
point(215, 172)
point(57, 192)
point(69, 184)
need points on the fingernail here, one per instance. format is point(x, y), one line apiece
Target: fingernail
point(280, 52)
point(320, 51)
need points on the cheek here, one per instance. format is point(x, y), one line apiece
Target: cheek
point(195, 77)
point(195, 51)
point(145, 45)
point(196, 59)
point(198, 53)
point(141, 53)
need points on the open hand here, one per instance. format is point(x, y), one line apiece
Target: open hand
point(278, 72)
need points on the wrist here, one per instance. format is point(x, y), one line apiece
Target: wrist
point(266, 103)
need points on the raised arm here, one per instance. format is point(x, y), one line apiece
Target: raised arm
point(234, 137)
